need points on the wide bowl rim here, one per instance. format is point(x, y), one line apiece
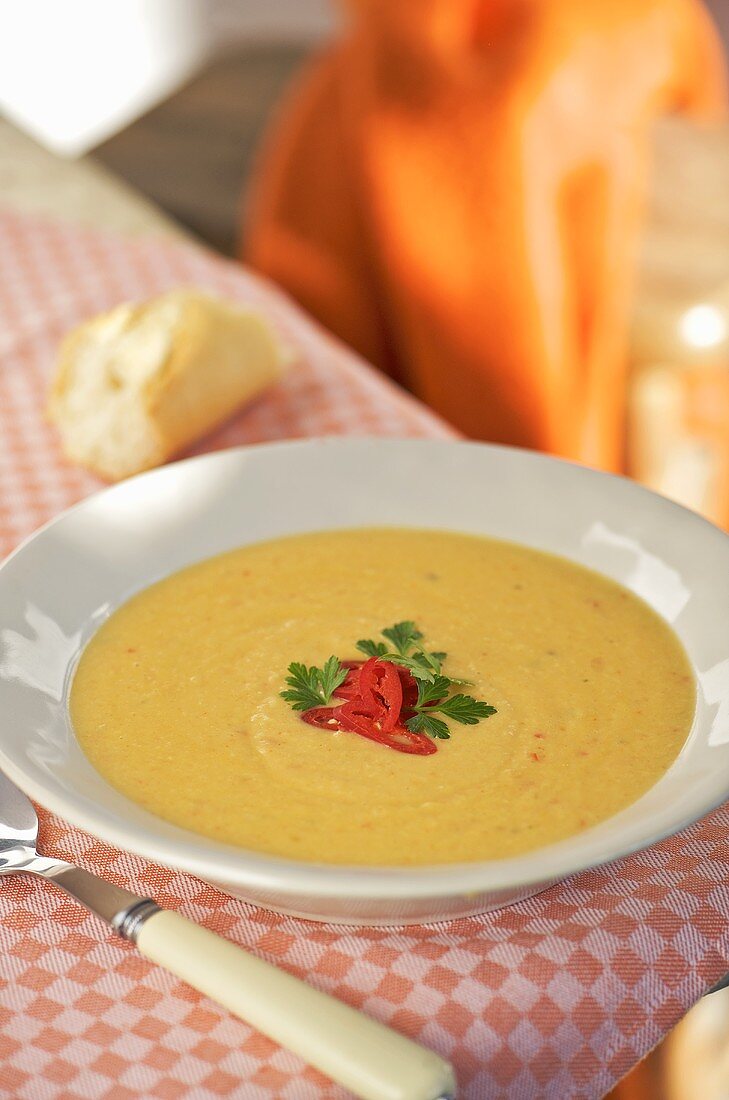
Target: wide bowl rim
point(233, 867)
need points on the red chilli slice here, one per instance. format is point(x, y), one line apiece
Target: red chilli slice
point(380, 684)
point(405, 740)
point(417, 744)
point(409, 688)
point(324, 718)
point(368, 718)
point(378, 695)
point(363, 716)
point(349, 688)
point(402, 740)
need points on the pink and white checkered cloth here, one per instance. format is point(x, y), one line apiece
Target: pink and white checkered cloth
point(556, 997)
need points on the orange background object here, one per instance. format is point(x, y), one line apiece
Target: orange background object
point(455, 190)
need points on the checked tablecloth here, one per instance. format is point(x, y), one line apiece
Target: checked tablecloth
point(556, 997)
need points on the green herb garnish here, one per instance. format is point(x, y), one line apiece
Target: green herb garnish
point(370, 648)
point(404, 636)
point(367, 710)
point(433, 685)
point(433, 698)
point(406, 650)
point(465, 709)
point(426, 723)
point(313, 687)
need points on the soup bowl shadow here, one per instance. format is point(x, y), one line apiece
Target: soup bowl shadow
point(68, 577)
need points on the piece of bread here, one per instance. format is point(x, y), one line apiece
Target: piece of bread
point(136, 385)
point(696, 1053)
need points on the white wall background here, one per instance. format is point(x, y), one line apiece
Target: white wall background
point(72, 72)
point(132, 53)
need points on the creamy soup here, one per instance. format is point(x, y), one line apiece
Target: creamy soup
point(176, 700)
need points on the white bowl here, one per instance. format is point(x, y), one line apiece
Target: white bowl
point(66, 579)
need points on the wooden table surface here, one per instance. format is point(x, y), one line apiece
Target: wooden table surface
point(34, 180)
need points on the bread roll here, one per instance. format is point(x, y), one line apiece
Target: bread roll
point(696, 1053)
point(137, 384)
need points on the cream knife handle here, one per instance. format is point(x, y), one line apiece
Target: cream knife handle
point(369, 1059)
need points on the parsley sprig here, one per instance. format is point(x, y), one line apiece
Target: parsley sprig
point(433, 685)
point(405, 650)
point(461, 708)
point(313, 687)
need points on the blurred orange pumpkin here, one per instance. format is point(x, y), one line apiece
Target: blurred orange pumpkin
point(455, 190)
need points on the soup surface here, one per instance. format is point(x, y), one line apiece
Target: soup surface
point(176, 698)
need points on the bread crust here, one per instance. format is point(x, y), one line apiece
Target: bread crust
point(136, 385)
